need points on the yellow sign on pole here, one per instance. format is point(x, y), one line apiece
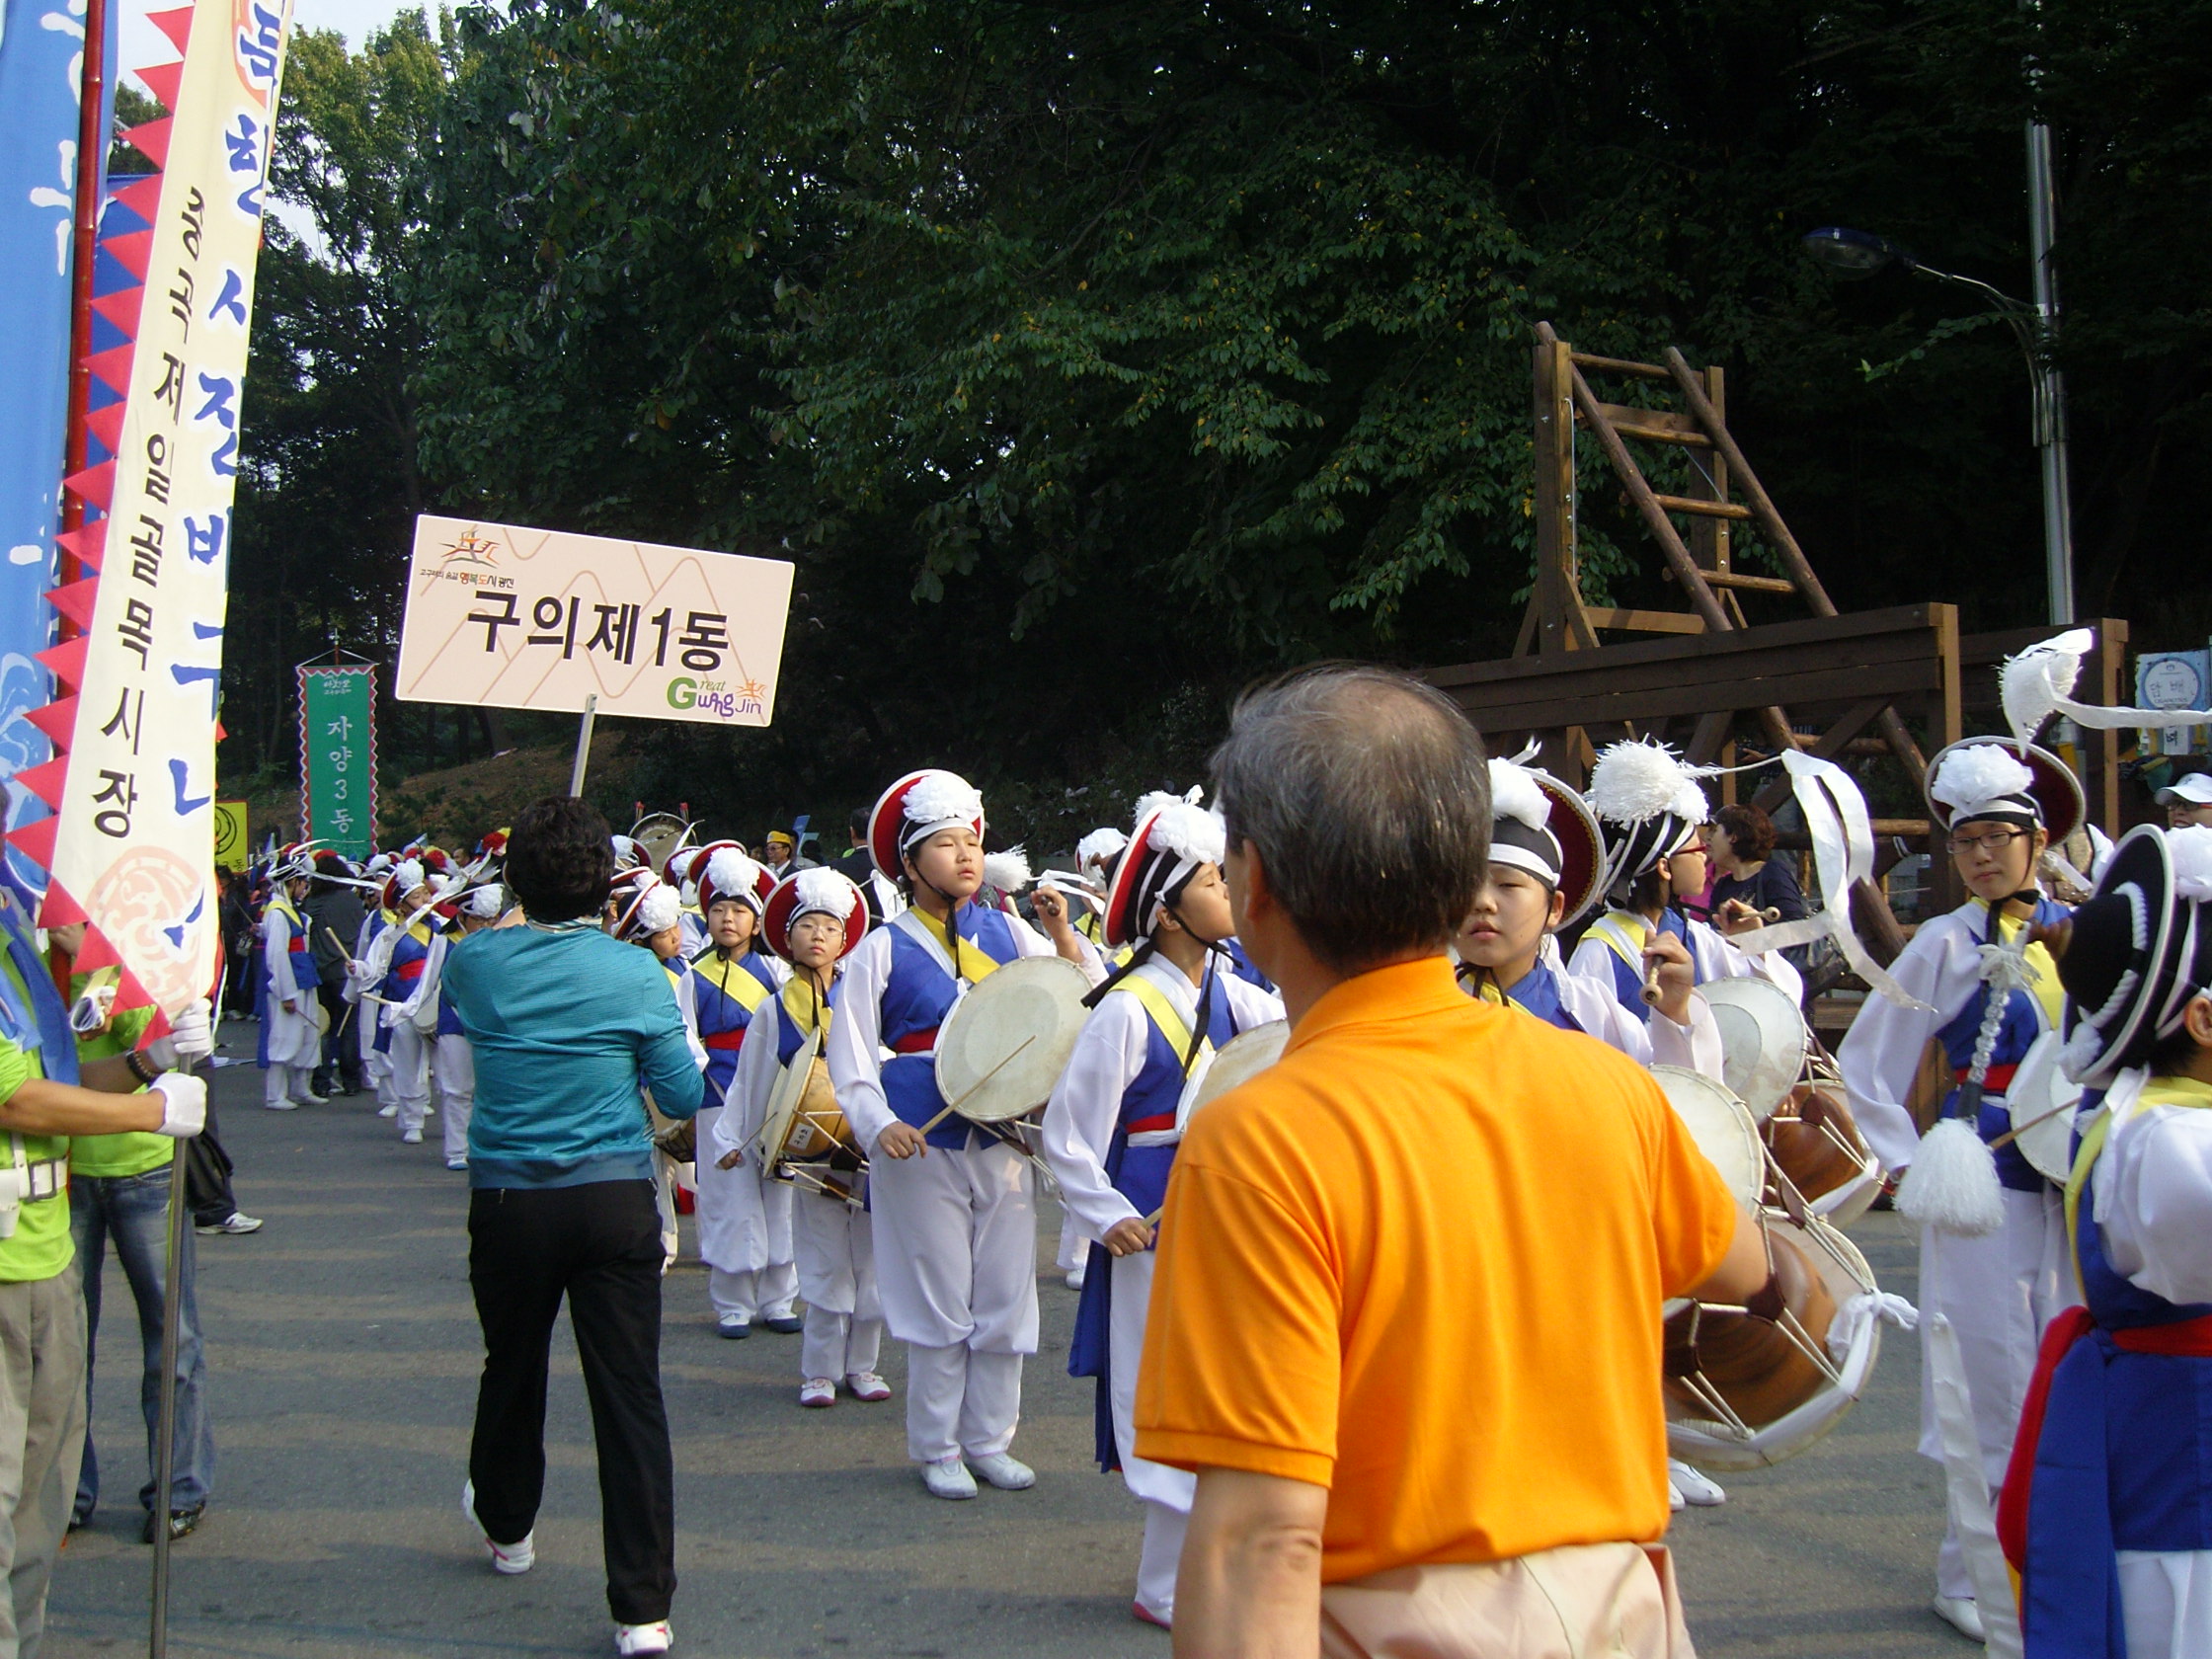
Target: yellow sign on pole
point(234, 850)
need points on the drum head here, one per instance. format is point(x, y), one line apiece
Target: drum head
point(658, 833)
point(1241, 1059)
point(1006, 1042)
point(2041, 1100)
point(1762, 1040)
point(1722, 1128)
point(784, 1098)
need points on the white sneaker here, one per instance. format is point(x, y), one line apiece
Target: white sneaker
point(387, 1112)
point(1695, 1488)
point(818, 1391)
point(632, 1639)
point(948, 1478)
point(456, 1164)
point(867, 1385)
point(508, 1558)
point(308, 1097)
point(1961, 1615)
point(286, 1105)
point(1007, 1472)
point(236, 1222)
point(411, 1138)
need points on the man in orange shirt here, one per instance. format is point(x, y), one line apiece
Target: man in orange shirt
point(1405, 1326)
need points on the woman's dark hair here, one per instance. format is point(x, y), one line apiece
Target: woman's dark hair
point(560, 860)
point(1750, 831)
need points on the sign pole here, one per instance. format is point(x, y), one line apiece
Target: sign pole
point(584, 743)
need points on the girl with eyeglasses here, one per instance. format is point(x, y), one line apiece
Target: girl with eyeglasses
point(1997, 810)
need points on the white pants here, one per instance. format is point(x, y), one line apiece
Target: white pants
point(2166, 1602)
point(1999, 1293)
point(1167, 1493)
point(766, 1295)
point(374, 1062)
point(744, 1222)
point(960, 1400)
point(411, 1075)
point(835, 1247)
point(285, 1082)
point(1075, 1245)
point(453, 1063)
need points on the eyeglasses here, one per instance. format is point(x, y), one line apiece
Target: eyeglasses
point(1993, 842)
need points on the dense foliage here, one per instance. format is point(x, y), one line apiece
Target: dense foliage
point(1088, 359)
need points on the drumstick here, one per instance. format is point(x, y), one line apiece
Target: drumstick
point(1651, 992)
point(970, 1093)
point(2018, 1129)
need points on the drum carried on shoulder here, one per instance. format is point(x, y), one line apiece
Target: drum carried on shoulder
point(1752, 1384)
point(1772, 1063)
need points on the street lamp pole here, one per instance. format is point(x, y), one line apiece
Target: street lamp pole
point(2050, 386)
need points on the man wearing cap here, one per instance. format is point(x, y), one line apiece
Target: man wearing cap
point(781, 853)
point(2187, 800)
point(1355, 1338)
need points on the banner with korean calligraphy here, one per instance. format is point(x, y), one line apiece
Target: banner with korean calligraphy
point(131, 848)
point(542, 619)
point(338, 757)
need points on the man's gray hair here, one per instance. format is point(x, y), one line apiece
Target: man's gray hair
point(1366, 795)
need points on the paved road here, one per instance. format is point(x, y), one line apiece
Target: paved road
point(345, 1351)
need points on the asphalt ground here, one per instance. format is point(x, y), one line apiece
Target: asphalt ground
point(344, 1353)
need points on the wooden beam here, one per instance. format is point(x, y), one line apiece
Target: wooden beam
point(1750, 584)
point(1709, 510)
point(1620, 366)
point(1646, 621)
point(1557, 584)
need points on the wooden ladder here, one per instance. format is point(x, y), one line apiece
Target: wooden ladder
point(1697, 555)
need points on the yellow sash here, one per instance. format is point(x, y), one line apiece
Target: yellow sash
point(740, 983)
point(1613, 928)
point(801, 1006)
point(2159, 1091)
point(956, 948)
point(1167, 1017)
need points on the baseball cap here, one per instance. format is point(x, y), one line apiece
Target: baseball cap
point(2194, 788)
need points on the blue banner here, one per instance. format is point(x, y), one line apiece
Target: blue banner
point(42, 45)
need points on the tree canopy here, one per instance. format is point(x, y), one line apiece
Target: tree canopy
point(1088, 359)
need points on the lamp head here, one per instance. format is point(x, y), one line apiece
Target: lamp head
point(1852, 253)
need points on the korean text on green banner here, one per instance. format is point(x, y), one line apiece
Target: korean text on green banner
point(338, 757)
point(513, 618)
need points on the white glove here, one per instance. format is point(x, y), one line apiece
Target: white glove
point(192, 1036)
point(184, 1103)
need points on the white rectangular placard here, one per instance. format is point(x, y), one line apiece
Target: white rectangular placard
point(513, 618)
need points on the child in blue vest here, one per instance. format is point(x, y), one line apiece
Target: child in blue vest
point(954, 1215)
point(1117, 1116)
point(291, 1041)
point(2108, 1507)
point(814, 919)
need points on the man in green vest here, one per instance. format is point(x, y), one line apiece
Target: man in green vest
point(46, 1097)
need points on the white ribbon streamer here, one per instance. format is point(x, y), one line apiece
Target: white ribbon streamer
point(1843, 837)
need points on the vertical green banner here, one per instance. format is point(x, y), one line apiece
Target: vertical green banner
point(338, 757)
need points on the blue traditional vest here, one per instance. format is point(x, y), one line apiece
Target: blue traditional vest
point(790, 1034)
point(2026, 1019)
point(1537, 992)
point(1140, 1174)
point(298, 945)
point(409, 958)
point(728, 995)
point(1625, 935)
point(918, 994)
point(2123, 1459)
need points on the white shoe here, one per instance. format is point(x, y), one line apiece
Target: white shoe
point(1074, 1277)
point(948, 1478)
point(286, 1105)
point(632, 1639)
point(308, 1097)
point(1674, 1498)
point(236, 1222)
point(411, 1138)
point(1961, 1615)
point(388, 1112)
point(456, 1164)
point(507, 1558)
point(867, 1385)
point(1007, 1472)
point(818, 1391)
point(1694, 1487)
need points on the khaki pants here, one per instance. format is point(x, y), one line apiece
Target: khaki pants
point(1589, 1600)
point(41, 1441)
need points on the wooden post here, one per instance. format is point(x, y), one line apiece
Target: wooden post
point(1557, 584)
point(584, 743)
point(2111, 668)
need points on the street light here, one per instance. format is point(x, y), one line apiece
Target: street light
point(1855, 255)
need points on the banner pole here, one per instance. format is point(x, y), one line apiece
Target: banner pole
point(584, 743)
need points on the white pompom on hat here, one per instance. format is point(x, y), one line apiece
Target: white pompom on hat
point(918, 805)
point(1173, 837)
point(730, 874)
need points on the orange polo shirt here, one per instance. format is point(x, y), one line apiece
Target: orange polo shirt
point(1420, 1262)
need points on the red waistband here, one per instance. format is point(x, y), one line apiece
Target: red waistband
point(2191, 1338)
point(410, 970)
point(1152, 1125)
point(916, 1042)
point(727, 1039)
point(299, 944)
point(1998, 1080)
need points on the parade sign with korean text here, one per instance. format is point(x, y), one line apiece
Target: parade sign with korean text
point(542, 619)
point(337, 758)
point(135, 832)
